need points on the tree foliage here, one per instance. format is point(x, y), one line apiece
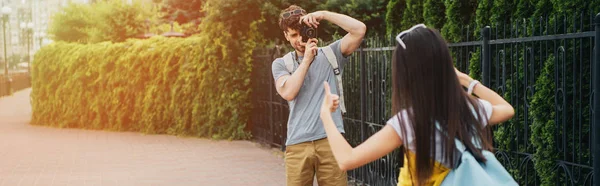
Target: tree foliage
point(372, 13)
point(413, 14)
point(111, 20)
point(434, 13)
point(72, 23)
point(183, 11)
point(393, 16)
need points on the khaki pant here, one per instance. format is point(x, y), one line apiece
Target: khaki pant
point(304, 160)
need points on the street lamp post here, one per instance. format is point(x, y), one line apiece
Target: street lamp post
point(23, 40)
point(5, 13)
point(29, 32)
point(172, 33)
point(27, 29)
point(41, 36)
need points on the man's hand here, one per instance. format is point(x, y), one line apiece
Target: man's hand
point(330, 102)
point(312, 19)
point(310, 50)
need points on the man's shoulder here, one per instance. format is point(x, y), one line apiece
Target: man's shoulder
point(278, 60)
point(334, 43)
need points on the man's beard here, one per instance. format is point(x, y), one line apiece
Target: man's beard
point(300, 49)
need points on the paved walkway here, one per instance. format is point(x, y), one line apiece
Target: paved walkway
point(33, 155)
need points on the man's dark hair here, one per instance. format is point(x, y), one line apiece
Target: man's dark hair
point(292, 21)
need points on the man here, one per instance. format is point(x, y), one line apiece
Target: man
point(300, 82)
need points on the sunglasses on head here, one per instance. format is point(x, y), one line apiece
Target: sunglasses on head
point(285, 15)
point(401, 34)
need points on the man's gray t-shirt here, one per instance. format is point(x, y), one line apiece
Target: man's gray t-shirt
point(304, 122)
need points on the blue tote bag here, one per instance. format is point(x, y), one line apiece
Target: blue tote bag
point(471, 172)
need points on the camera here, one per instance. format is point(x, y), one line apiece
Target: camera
point(307, 32)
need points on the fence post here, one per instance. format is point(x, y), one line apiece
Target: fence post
point(363, 100)
point(363, 89)
point(485, 52)
point(596, 106)
point(273, 133)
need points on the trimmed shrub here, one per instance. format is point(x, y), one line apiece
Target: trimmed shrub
point(194, 86)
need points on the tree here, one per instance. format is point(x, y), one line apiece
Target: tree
point(433, 13)
point(72, 23)
point(14, 60)
point(183, 11)
point(563, 15)
point(413, 14)
point(117, 21)
point(458, 15)
point(110, 20)
point(369, 12)
point(393, 16)
point(482, 20)
point(228, 39)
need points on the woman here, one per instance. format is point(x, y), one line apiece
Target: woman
point(432, 109)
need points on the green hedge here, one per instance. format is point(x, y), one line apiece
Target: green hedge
point(413, 14)
point(458, 15)
point(543, 126)
point(196, 86)
point(434, 13)
point(394, 16)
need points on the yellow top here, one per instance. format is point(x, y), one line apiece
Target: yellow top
point(439, 172)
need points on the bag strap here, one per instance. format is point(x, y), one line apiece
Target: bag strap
point(289, 62)
point(338, 75)
point(459, 145)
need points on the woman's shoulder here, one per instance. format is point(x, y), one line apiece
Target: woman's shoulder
point(485, 108)
point(395, 119)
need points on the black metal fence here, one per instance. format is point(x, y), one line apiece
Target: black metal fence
point(511, 59)
point(270, 111)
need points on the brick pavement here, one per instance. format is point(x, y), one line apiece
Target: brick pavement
point(34, 155)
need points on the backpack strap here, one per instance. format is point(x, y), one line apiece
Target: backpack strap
point(289, 62)
point(336, 70)
point(459, 145)
point(289, 65)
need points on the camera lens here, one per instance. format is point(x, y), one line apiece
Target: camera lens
point(307, 32)
point(310, 33)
